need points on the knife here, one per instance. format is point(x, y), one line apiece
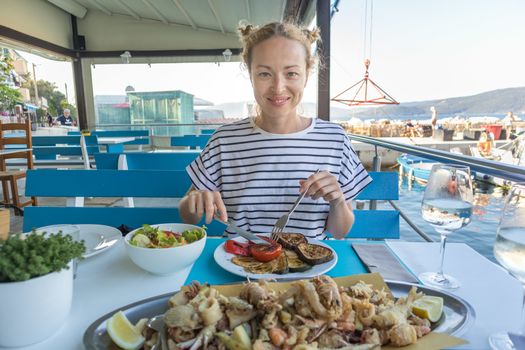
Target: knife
point(243, 233)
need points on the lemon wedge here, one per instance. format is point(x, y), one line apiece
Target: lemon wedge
point(429, 307)
point(123, 333)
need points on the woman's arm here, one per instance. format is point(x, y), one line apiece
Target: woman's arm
point(340, 219)
point(197, 203)
point(340, 216)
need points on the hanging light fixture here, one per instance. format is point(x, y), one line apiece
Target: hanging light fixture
point(125, 56)
point(227, 54)
point(366, 91)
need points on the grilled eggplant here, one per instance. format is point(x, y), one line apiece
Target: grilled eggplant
point(294, 263)
point(314, 254)
point(291, 240)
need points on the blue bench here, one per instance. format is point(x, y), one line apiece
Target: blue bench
point(371, 224)
point(53, 147)
point(107, 183)
point(146, 161)
point(191, 141)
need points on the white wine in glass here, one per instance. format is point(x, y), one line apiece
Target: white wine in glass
point(447, 206)
point(509, 250)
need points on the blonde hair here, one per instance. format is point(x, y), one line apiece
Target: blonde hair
point(251, 35)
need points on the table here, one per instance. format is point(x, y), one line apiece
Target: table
point(110, 280)
point(115, 144)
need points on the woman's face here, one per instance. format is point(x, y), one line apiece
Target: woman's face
point(278, 74)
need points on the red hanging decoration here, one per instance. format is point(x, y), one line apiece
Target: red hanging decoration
point(361, 96)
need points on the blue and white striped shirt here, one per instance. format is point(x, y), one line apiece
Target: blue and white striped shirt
point(258, 173)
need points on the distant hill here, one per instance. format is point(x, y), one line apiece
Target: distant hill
point(496, 102)
point(491, 102)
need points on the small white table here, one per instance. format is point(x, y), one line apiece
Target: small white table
point(114, 144)
point(110, 280)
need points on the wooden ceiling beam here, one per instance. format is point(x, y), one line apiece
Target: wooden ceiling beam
point(100, 7)
point(128, 9)
point(157, 12)
point(188, 18)
point(216, 14)
point(248, 10)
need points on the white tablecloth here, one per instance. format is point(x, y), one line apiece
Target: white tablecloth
point(110, 280)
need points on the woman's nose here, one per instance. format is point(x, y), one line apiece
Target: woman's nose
point(278, 84)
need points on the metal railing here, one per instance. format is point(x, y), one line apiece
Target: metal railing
point(489, 167)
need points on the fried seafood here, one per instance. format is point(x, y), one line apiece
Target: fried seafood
point(310, 314)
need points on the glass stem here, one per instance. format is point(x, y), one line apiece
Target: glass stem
point(522, 323)
point(443, 242)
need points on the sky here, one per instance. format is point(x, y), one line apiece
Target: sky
point(420, 50)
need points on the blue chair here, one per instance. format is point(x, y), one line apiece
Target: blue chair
point(147, 161)
point(51, 147)
point(378, 224)
point(207, 131)
point(191, 141)
point(107, 183)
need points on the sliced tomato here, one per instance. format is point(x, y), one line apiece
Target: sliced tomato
point(233, 247)
point(265, 252)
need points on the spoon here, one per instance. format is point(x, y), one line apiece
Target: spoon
point(157, 323)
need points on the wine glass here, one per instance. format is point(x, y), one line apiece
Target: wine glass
point(447, 206)
point(509, 250)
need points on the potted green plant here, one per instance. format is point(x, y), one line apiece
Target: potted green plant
point(36, 285)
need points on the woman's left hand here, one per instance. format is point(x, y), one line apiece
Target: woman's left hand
point(323, 185)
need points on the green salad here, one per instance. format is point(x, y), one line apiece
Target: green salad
point(154, 237)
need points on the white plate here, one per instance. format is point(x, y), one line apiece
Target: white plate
point(223, 259)
point(98, 238)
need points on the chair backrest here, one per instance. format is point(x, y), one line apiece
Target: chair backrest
point(207, 131)
point(141, 136)
point(107, 183)
point(12, 137)
point(50, 147)
point(191, 141)
point(177, 160)
point(378, 224)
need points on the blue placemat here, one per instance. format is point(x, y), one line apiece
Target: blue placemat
point(206, 269)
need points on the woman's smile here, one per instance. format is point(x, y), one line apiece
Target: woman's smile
point(278, 101)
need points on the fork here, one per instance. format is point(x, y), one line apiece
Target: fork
point(279, 226)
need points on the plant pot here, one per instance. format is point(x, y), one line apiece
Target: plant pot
point(33, 310)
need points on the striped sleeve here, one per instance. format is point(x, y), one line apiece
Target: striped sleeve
point(354, 177)
point(200, 169)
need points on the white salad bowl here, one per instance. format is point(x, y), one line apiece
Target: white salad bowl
point(166, 261)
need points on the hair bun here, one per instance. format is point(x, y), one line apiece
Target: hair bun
point(312, 35)
point(246, 29)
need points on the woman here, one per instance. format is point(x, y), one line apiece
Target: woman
point(252, 171)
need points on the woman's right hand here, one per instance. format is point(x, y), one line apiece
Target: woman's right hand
point(210, 203)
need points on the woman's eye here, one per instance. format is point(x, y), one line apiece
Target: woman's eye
point(263, 74)
point(293, 74)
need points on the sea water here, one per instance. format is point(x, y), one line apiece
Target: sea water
point(479, 234)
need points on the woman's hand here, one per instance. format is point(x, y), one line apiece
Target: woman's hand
point(323, 185)
point(199, 202)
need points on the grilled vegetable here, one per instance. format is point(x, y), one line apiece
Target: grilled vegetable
point(237, 248)
point(294, 263)
point(314, 254)
point(265, 252)
point(279, 265)
point(291, 240)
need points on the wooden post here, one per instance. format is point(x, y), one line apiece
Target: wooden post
point(4, 223)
